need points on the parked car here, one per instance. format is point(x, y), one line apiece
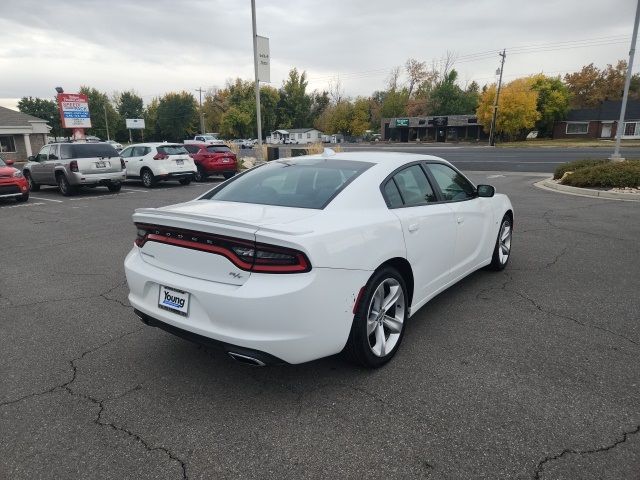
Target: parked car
point(210, 139)
point(303, 257)
point(154, 162)
point(13, 184)
point(73, 165)
point(212, 160)
point(92, 138)
point(114, 144)
point(243, 143)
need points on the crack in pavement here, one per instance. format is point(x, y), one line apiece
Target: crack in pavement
point(570, 451)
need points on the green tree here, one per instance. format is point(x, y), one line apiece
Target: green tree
point(448, 98)
point(552, 104)
point(269, 98)
point(177, 116)
point(151, 127)
point(294, 105)
point(236, 123)
point(128, 105)
point(99, 106)
point(44, 109)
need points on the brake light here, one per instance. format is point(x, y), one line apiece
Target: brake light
point(122, 164)
point(73, 166)
point(244, 254)
point(160, 156)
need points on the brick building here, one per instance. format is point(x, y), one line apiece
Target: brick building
point(600, 122)
point(21, 135)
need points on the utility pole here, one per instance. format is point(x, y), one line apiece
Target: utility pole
point(492, 131)
point(257, 86)
point(616, 157)
point(201, 114)
point(106, 120)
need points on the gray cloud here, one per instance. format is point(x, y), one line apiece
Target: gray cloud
point(161, 45)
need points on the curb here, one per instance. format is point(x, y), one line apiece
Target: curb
point(549, 184)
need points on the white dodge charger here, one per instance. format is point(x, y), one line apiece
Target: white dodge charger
point(305, 257)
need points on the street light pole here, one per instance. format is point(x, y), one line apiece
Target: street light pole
point(616, 157)
point(257, 85)
point(106, 121)
point(492, 131)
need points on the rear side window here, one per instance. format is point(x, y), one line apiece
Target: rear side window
point(172, 149)
point(218, 149)
point(308, 183)
point(87, 150)
point(414, 187)
point(392, 195)
point(192, 148)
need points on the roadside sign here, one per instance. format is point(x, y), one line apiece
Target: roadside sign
point(402, 122)
point(133, 123)
point(264, 59)
point(74, 110)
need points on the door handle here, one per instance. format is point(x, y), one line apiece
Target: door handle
point(413, 227)
point(460, 220)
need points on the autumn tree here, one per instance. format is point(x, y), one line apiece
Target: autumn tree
point(416, 73)
point(591, 85)
point(517, 108)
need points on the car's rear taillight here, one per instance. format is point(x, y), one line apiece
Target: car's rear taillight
point(122, 164)
point(160, 156)
point(73, 166)
point(244, 254)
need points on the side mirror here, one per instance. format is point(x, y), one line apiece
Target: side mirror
point(486, 191)
point(32, 158)
point(9, 162)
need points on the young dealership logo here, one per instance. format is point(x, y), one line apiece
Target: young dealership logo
point(173, 300)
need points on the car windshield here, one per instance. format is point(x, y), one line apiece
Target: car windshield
point(308, 183)
point(218, 149)
point(87, 150)
point(172, 150)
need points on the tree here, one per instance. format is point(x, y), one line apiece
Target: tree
point(517, 108)
point(294, 105)
point(552, 103)
point(269, 98)
point(151, 127)
point(44, 109)
point(416, 72)
point(177, 116)
point(236, 123)
point(360, 117)
point(128, 105)
point(99, 106)
point(447, 98)
point(590, 86)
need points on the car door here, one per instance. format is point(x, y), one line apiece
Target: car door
point(428, 227)
point(126, 156)
point(49, 167)
point(37, 168)
point(473, 215)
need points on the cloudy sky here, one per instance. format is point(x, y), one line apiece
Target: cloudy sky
point(156, 46)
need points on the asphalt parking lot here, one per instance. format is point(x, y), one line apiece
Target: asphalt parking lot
point(533, 372)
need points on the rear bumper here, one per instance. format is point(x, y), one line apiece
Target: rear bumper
point(294, 318)
point(175, 175)
point(96, 178)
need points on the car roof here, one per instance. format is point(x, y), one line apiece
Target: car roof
point(392, 159)
point(154, 144)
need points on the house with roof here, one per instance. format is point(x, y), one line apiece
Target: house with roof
point(295, 135)
point(600, 122)
point(21, 135)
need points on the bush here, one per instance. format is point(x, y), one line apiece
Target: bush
point(573, 166)
point(606, 175)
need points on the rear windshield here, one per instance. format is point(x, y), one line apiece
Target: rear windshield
point(308, 183)
point(87, 150)
point(218, 149)
point(172, 149)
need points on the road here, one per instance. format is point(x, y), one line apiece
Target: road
point(533, 159)
point(528, 373)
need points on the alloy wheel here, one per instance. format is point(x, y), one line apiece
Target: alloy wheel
point(385, 317)
point(504, 242)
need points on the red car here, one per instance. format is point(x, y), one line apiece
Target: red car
point(212, 160)
point(12, 182)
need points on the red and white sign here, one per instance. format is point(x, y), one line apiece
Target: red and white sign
point(74, 110)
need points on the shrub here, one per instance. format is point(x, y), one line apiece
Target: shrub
point(606, 175)
point(575, 165)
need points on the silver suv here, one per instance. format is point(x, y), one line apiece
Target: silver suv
point(72, 165)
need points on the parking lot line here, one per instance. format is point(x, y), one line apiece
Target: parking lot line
point(47, 199)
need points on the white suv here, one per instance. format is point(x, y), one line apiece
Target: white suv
point(153, 162)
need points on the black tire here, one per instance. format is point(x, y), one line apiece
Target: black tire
point(498, 260)
point(228, 175)
point(114, 187)
point(358, 348)
point(148, 179)
point(65, 187)
point(200, 175)
point(185, 181)
point(33, 186)
point(22, 198)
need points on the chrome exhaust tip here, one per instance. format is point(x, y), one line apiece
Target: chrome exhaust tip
point(246, 359)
